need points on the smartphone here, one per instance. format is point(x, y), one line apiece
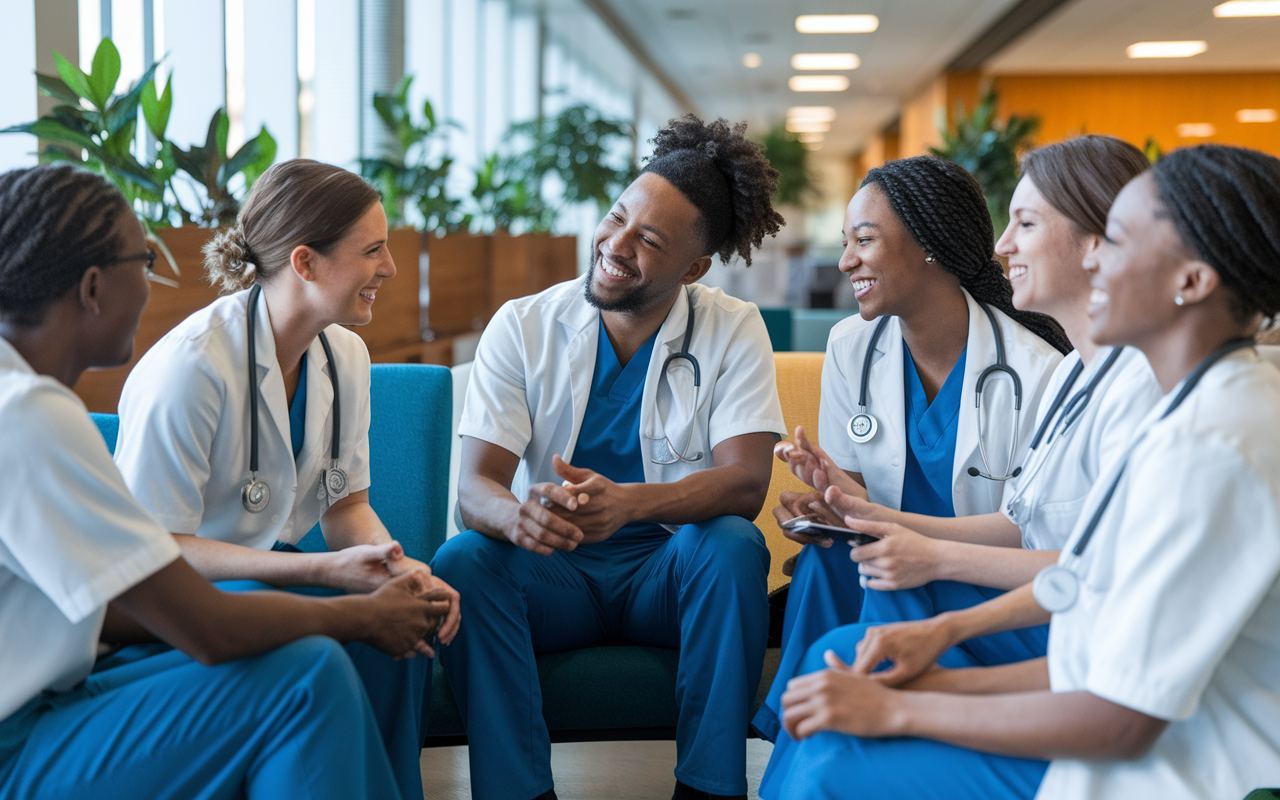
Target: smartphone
point(811, 527)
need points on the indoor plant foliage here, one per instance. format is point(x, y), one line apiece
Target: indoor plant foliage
point(97, 129)
point(408, 173)
point(989, 149)
point(787, 154)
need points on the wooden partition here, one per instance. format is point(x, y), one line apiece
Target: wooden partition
point(524, 265)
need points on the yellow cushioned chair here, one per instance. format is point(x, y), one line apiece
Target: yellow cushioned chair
point(799, 389)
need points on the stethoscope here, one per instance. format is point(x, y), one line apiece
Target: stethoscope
point(668, 454)
point(1056, 587)
point(863, 426)
point(256, 494)
point(1071, 410)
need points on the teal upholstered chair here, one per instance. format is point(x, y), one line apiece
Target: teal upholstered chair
point(412, 413)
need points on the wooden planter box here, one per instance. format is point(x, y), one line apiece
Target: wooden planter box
point(393, 335)
point(470, 276)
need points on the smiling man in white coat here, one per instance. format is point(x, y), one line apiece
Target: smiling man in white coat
point(617, 437)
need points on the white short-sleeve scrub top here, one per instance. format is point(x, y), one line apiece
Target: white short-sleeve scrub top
point(72, 538)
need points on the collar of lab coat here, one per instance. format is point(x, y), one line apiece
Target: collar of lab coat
point(581, 323)
point(318, 414)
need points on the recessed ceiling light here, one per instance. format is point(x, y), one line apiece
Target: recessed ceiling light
point(1248, 8)
point(809, 137)
point(812, 145)
point(751, 60)
point(1257, 115)
point(1166, 49)
point(837, 23)
point(1196, 130)
point(818, 83)
point(825, 61)
point(811, 113)
point(807, 126)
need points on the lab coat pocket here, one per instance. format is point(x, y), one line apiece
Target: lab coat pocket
point(1050, 524)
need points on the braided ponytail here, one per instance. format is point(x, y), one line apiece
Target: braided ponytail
point(941, 206)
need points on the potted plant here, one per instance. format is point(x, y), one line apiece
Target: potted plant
point(989, 149)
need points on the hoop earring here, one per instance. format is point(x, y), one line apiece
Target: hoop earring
point(1178, 301)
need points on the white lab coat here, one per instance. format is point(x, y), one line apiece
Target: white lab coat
point(882, 461)
point(184, 427)
point(533, 369)
point(1178, 614)
point(1045, 500)
point(71, 537)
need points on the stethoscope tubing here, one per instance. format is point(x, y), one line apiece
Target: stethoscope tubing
point(685, 354)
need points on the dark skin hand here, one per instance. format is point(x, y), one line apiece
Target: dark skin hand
point(177, 606)
point(555, 517)
point(1006, 710)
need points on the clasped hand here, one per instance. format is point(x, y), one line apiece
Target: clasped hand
point(586, 507)
point(365, 568)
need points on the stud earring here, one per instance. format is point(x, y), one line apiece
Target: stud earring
point(930, 259)
point(1177, 301)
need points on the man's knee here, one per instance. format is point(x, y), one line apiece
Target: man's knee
point(463, 559)
point(732, 541)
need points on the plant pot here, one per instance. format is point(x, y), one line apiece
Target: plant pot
point(527, 264)
point(458, 278)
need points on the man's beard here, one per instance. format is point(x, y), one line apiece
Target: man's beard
point(637, 298)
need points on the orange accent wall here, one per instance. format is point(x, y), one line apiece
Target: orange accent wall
point(1135, 107)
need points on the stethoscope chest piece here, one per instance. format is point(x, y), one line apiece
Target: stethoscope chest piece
point(333, 484)
point(1056, 588)
point(256, 495)
point(862, 427)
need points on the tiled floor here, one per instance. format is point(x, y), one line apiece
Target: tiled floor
point(589, 770)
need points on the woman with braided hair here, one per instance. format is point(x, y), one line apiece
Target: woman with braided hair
point(1160, 679)
point(242, 461)
point(256, 699)
point(935, 314)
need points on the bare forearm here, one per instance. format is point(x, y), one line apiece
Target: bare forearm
point(720, 491)
point(1022, 676)
point(1010, 611)
point(488, 507)
point(222, 561)
point(118, 628)
point(352, 525)
point(1040, 725)
point(993, 529)
point(995, 567)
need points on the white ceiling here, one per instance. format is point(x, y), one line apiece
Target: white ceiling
point(1091, 36)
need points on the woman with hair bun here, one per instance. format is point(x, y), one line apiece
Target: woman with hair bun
point(256, 699)
point(243, 464)
point(1160, 679)
point(898, 422)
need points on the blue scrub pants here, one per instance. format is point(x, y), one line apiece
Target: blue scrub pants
point(702, 589)
point(399, 693)
point(823, 596)
point(290, 723)
point(833, 765)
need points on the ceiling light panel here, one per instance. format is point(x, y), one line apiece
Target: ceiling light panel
point(1166, 49)
point(818, 83)
point(809, 137)
point(812, 113)
point(837, 23)
point(1248, 8)
point(1257, 115)
point(751, 60)
point(825, 61)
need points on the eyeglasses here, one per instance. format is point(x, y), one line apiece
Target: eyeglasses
point(150, 257)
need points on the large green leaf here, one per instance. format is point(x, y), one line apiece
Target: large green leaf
point(75, 80)
point(52, 130)
point(155, 110)
point(57, 88)
point(267, 149)
point(106, 71)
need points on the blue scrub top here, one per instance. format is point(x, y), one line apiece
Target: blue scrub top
point(609, 440)
point(298, 410)
point(931, 440)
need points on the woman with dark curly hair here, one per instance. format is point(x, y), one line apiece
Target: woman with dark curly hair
point(616, 444)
